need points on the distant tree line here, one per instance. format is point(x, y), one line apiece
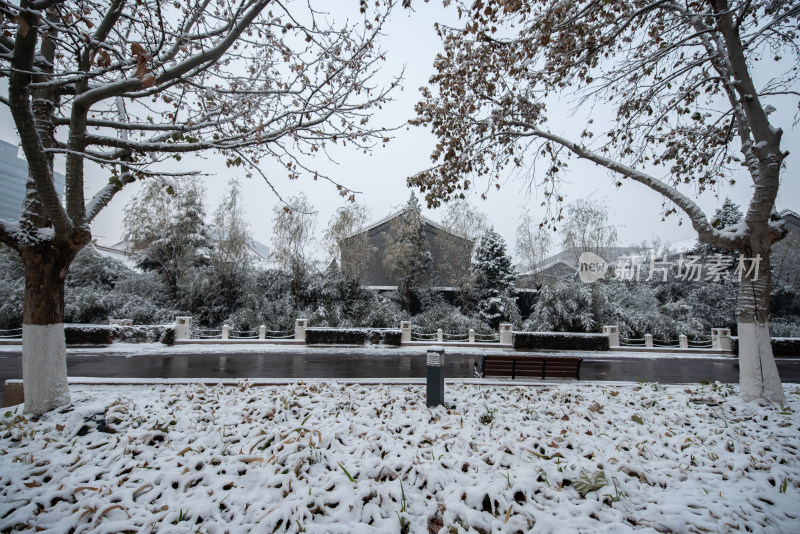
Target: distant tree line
point(188, 266)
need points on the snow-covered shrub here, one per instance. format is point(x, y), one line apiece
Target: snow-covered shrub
point(90, 269)
point(785, 309)
point(142, 311)
point(325, 315)
point(380, 311)
point(449, 319)
point(87, 305)
point(11, 302)
point(97, 305)
point(563, 307)
point(352, 336)
point(12, 288)
point(99, 288)
point(244, 319)
point(336, 336)
point(391, 337)
point(786, 347)
point(167, 336)
point(782, 347)
point(277, 314)
point(559, 341)
point(86, 334)
point(704, 304)
point(665, 310)
point(785, 327)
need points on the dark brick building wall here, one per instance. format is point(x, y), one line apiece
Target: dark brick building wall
point(450, 253)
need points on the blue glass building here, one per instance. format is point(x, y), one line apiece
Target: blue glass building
point(13, 176)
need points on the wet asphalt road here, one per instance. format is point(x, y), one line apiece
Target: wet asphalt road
point(360, 363)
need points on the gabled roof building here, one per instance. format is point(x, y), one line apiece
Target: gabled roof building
point(451, 254)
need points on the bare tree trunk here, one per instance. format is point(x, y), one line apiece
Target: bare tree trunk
point(44, 361)
point(758, 373)
point(407, 296)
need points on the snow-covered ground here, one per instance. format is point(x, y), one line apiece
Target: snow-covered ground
point(333, 457)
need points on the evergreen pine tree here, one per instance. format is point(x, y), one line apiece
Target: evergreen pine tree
point(407, 258)
point(494, 281)
point(166, 226)
point(727, 215)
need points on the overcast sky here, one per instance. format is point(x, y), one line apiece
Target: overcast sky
point(381, 177)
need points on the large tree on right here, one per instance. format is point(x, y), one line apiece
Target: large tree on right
point(672, 88)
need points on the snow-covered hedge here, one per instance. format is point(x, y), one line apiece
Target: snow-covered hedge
point(559, 341)
point(782, 347)
point(98, 334)
point(385, 337)
point(352, 336)
point(450, 319)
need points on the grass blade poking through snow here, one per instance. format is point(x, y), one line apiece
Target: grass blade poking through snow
point(587, 483)
point(346, 473)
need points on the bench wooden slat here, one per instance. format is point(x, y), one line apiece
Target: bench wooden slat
point(530, 366)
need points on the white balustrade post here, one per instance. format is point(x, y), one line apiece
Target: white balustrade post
point(684, 341)
point(300, 326)
point(405, 331)
point(472, 335)
point(721, 338)
point(225, 331)
point(613, 335)
point(506, 333)
point(262, 332)
point(648, 341)
point(439, 335)
point(183, 327)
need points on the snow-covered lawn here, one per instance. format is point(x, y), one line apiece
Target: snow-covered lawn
point(570, 457)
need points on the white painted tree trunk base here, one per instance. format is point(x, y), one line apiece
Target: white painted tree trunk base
point(44, 367)
point(758, 373)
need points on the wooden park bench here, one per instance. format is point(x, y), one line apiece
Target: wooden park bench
point(529, 366)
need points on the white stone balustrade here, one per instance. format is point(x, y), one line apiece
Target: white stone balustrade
point(405, 331)
point(183, 327)
point(721, 338)
point(506, 333)
point(613, 335)
point(300, 326)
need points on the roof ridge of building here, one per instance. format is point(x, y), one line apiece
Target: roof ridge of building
point(395, 214)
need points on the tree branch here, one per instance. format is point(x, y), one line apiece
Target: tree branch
point(19, 96)
point(202, 61)
point(7, 229)
point(705, 231)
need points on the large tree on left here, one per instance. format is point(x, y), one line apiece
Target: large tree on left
point(131, 86)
